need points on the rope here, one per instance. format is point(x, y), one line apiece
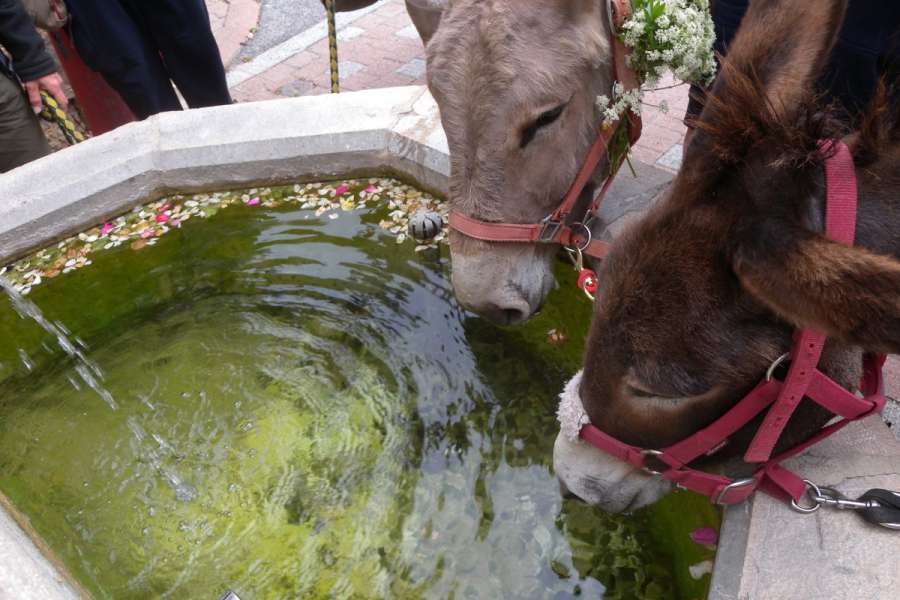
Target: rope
point(51, 111)
point(332, 46)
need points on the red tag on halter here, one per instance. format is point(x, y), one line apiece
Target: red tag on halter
point(587, 281)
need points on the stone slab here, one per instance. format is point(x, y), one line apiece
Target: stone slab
point(218, 147)
point(629, 197)
point(828, 554)
point(25, 573)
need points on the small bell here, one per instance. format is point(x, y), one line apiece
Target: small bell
point(425, 224)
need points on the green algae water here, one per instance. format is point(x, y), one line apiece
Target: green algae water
point(303, 411)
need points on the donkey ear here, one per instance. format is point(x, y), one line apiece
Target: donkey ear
point(770, 70)
point(426, 16)
point(847, 292)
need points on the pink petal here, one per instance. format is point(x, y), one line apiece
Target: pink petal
point(107, 227)
point(341, 190)
point(162, 218)
point(253, 201)
point(705, 536)
point(165, 207)
point(147, 233)
point(175, 222)
point(371, 189)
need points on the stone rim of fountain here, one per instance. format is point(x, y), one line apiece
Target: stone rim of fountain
point(765, 550)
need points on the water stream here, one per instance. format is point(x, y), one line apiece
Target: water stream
point(90, 373)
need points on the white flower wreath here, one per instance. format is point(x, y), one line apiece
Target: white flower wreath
point(663, 35)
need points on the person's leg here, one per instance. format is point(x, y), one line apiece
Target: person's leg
point(727, 15)
point(856, 63)
point(21, 137)
point(111, 43)
point(181, 30)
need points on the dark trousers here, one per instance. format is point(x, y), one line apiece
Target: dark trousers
point(866, 49)
point(21, 137)
point(141, 46)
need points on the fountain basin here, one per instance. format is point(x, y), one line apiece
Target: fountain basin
point(397, 130)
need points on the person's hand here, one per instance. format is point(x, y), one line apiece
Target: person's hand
point(53, 84)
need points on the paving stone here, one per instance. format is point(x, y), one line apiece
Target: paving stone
point(346, 68)
point(348, 33)
point(672, 158)
point(299, 87)
point(408, 32)
point(414, 68)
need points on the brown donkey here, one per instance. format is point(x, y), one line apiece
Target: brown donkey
point(703, 294)
point(516, 83)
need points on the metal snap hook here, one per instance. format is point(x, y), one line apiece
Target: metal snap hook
point(577, 258)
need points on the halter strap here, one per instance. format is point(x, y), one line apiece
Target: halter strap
point(840, 226)
point(559, 227)
point(780, 398)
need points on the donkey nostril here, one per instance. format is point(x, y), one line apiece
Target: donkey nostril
point(513, 316)
point(508, 315)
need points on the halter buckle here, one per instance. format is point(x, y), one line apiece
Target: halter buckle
point(739, 483)
point(649, 452)
point(549, 230)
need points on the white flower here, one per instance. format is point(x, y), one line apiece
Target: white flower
point(670, 35)
point(664, 35)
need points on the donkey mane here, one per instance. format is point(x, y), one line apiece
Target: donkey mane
point(742, 119)
point(790, 137)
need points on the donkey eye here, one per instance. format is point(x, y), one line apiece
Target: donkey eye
point(640, 392)
point(638, 389)
point(544, 119)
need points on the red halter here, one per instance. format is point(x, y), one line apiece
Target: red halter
point(803, 379)
point(560, 227)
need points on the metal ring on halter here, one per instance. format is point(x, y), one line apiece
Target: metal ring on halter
point(645, 453)
point(770, 372)
point(810, 486)
point(588, 239)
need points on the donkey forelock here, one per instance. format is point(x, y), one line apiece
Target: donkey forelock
point(493, 63)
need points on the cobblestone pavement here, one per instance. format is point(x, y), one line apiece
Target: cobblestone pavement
point(233, 23)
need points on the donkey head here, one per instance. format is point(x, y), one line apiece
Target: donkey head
point(703, 294)
point(516, 84)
